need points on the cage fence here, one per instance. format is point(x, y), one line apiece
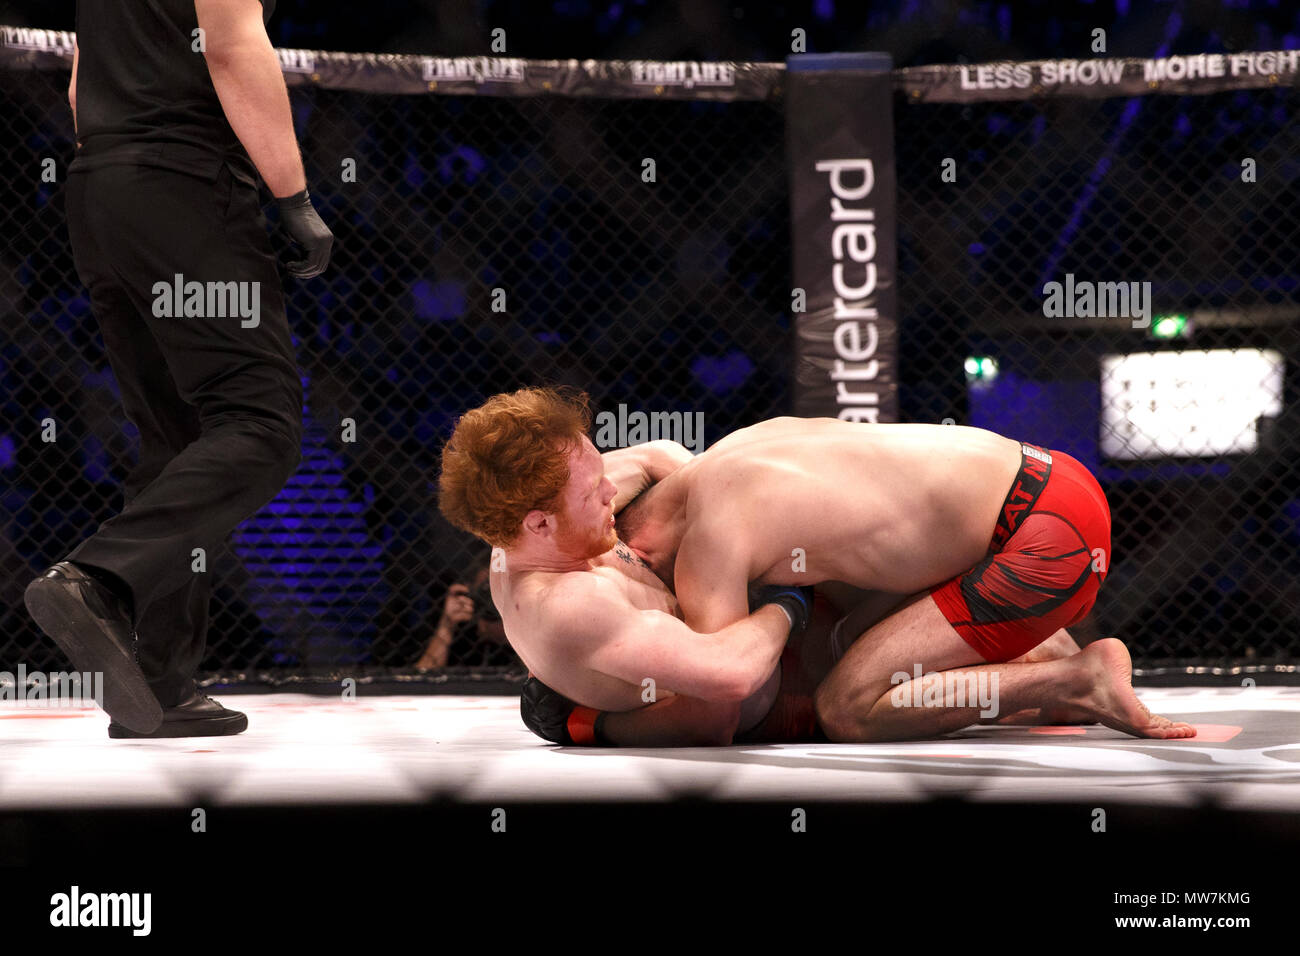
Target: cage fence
point(490, 238)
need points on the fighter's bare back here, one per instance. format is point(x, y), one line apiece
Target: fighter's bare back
point(893, 508)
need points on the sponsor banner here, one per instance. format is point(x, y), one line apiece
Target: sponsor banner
point(472, 75)
point(608, 79)
point(26, 47)
point(1099, 77)
point(840, 148)
point(16, 41)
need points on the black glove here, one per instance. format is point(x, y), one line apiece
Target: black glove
point(546, 713)
point(798, 601)
point(298, 218)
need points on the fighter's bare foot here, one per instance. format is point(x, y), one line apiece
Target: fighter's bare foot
point(1058, 645)
point(1056, 714)
point(1063, 714)
point(1111, 699)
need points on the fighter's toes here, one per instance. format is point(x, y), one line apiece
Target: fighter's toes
point(1113, 701)
point(1146, 724)
point(1162, 728)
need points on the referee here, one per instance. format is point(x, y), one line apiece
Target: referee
point(178, 106)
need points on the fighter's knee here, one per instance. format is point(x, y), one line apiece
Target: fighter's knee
point(833, 714)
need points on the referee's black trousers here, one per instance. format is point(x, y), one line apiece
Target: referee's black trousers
point(217, 401)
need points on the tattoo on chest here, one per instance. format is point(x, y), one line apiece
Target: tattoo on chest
point(625, 554)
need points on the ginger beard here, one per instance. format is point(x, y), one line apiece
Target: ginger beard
point(584, 518)
point(587, 538)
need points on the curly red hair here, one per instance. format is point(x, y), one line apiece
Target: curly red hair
point(509, 456)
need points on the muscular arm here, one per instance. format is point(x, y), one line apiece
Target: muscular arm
point(250, 85)
point(596, 629)
point(681, 721)
point(72, 87)
point(634, 469)
point(711, 577)
point(678, 721)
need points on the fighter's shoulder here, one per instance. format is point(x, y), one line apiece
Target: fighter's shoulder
point(728, 477)
point(770, 427)
point(577, 596)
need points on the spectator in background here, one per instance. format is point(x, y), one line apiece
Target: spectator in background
point(457, 609)
point(469, 630)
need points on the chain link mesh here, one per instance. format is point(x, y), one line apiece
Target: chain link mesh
point(1149, 189)
point(485, 244)
point(674, 296)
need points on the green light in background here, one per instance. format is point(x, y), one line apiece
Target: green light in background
point(1169, 327)
point(981, 368)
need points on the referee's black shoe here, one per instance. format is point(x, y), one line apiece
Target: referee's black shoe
point(196, 716)
point(92, 626)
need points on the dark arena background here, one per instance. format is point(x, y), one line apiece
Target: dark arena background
point(494, 229)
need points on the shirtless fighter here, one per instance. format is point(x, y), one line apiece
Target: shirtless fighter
point(587, 616)
point(583, 615)
point(1003, 544)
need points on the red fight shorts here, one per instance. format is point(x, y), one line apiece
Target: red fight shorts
point(1049, 554)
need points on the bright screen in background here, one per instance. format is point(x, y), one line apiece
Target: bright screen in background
point(1192, 404)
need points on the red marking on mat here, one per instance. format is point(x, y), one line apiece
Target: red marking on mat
point(1058, 731)
point(1214, 733)
point(40, 716)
